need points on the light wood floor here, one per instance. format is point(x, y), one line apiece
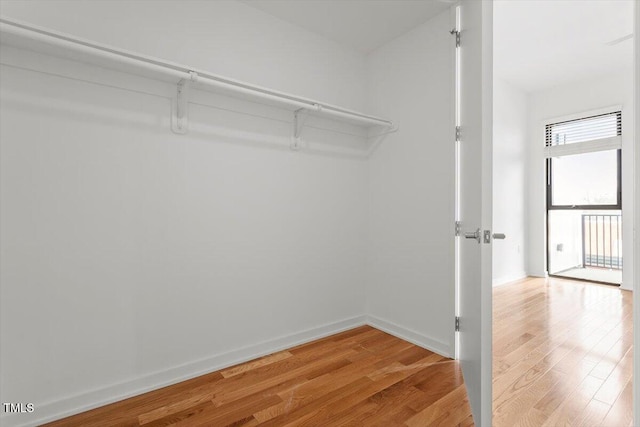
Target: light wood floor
point(363, 377)
point(562, 354)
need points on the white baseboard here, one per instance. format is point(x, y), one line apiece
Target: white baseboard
point(412, 336)
point(507, 279)
point(67, 406)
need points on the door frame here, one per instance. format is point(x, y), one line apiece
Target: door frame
point(636, 236)
point(486, 293)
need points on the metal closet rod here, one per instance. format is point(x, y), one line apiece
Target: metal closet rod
point(180, 72)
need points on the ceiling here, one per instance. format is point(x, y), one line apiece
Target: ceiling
point(540, 43)
point(537, 43)
point(360, 24)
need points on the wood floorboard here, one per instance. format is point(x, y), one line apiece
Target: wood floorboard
point(361, 377)
point(563, 354)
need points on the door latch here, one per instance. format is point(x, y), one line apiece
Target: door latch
point(473, 235)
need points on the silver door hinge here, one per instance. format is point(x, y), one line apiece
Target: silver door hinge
point(458, 228)
point(457, 324)
point(457, 34)
point(458, 133)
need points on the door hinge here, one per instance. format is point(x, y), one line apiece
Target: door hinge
point(458, 228)
point(458, 133)
point(457, 34)
point(457, 324)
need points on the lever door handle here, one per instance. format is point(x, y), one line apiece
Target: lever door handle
point(488, 236)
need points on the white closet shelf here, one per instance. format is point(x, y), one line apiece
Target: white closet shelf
point(30, 37)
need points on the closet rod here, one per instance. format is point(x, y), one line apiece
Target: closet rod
point(179, 72)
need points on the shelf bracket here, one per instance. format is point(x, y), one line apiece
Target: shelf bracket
point(299, 118)
point(180, 110)
point(377, 139)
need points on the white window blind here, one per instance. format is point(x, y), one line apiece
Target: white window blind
point(584, 135)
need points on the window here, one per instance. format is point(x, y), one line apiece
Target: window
point(585, 129)
point(584, 202)
point(587, 179)
point(583, 162)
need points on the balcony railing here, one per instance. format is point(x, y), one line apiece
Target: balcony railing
point(602, 241)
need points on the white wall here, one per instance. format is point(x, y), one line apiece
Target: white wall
point(411, 262)
point(133, 257)
point(509, 181)
point(581, 96)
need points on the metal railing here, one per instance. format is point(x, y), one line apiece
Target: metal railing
point(602, 241)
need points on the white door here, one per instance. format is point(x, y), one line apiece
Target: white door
point(474, 202)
